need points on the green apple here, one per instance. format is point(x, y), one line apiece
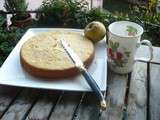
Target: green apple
point(95, 31)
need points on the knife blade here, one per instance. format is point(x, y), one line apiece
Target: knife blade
point(79, 64)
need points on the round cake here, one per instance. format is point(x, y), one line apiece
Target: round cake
point(44, 56)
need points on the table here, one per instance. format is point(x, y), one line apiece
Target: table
point(134, 96)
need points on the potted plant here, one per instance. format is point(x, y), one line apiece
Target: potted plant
point(62, 13)
point(21, 18)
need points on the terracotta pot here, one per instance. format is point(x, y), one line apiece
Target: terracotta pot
point(21, 23)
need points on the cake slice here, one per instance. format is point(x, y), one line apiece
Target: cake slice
point(44, 56)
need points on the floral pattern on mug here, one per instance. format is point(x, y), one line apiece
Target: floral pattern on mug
point(131, 31)
point(119, 59)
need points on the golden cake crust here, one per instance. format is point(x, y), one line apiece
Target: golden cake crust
point(43, 55)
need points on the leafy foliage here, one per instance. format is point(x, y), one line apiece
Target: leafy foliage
point(97, 14)
point(70, 13)
point(150, 21)
point(19, 6)
point(8, 39)
point(152, 5)
point(66, 13)
point(16, 5)
point(3, 21)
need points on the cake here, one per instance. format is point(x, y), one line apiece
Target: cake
point(43, 55)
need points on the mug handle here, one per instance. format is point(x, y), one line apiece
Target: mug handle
point(149, 44)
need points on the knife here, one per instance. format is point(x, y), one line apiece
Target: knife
point(79, 64)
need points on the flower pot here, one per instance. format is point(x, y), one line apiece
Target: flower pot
point(21, 23)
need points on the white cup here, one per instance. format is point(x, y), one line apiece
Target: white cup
point(123, 40)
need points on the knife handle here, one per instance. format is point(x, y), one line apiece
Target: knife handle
point(95, 88)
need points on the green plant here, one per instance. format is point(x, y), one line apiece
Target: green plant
point(104, 16)
point(97, 14)
point(64, 13)
point(19, 6)
point(69, 13)
point(150, 22)
point(3, 21)
point(152, 5)
point(8, 39)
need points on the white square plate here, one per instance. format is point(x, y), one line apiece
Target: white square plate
point(12, 74)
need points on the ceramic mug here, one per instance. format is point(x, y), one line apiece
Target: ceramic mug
point(123, 40)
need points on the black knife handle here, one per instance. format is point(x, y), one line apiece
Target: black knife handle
point(94, 87)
